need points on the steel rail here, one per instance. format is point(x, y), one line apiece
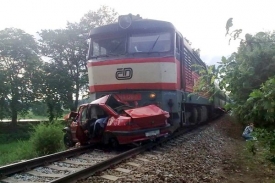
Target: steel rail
point(85, 173)
point(101, 166)
point(43, 160)
point(82, 174)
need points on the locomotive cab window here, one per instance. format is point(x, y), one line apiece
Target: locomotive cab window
point(178, 46)
point(108, 46)
point(149, 42)
point(178, 43)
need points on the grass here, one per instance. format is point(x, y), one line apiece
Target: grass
point(14, 142)
point(30, 115)
point(259, 168)
point(7, 152)
point(16, 151)
point(18, 144)
point(9, 134)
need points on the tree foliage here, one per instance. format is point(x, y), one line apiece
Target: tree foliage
point(266, 137)
point(18, 62)
point(52, 88)
point(248, 74)
point(39, 108)
point(66, 64)
point(262, 104)
point(67, 49)
point(56, 82)
point(206, 84)
point(103, 16)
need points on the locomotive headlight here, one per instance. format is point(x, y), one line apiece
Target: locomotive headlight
point(152, 96)
point(124, 21)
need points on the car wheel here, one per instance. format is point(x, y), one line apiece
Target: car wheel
point(114, 143)
point(68, 140)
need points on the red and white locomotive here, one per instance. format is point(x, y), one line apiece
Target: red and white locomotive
point(145, 62)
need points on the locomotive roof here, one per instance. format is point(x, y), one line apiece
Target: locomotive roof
point(141, 24)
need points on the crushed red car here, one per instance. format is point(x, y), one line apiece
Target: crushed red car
point(110, 121)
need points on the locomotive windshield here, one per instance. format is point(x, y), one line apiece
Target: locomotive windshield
point(108, 46)
point(138, 42)
point(149, 42)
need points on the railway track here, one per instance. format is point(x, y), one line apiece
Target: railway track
point(45, 161)
point(139, 165)
point(76, 164)
point(66, 166)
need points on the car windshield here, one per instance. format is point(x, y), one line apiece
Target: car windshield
point(108, 46)
point(150, 42)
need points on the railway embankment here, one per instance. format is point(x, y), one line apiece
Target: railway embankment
point(216, 154)
point(212, 153)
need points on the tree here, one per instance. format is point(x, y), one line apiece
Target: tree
point(18, 62)
point(206, 83)
point(68, 47)
point(64, 64)
point(246, 71)
point(103, 16)
point(261, 103)
point(3, 93)
point(52, 86)
point(39, 108)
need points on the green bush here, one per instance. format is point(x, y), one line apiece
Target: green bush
point(260, 105)
point(47, 138)
point(30, 141)
point(25, 150)
point(251, 146)
point(266, 139)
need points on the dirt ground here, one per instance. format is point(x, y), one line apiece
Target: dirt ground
point(239, 164)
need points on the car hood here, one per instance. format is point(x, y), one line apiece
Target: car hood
point(110, 100)
point(146, 111)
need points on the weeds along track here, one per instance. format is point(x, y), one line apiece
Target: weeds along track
point(80, 163)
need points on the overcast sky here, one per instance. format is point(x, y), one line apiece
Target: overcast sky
point(200, 21)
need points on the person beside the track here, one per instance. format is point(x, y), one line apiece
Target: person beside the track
point(247, 133)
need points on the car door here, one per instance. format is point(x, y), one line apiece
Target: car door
point(81, 119)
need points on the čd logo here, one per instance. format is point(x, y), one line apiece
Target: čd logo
point(124, 73)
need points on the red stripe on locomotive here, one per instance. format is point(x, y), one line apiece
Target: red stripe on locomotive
point(135, 60)
point(153, 86)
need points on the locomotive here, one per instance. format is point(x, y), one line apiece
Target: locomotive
point(146, 62)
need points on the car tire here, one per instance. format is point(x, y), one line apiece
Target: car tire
point(68, 140)
point(114, 143)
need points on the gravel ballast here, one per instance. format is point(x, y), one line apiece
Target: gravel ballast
point(196, 157)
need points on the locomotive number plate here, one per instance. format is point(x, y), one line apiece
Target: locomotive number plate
point(152, 133)
point(129, 97)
